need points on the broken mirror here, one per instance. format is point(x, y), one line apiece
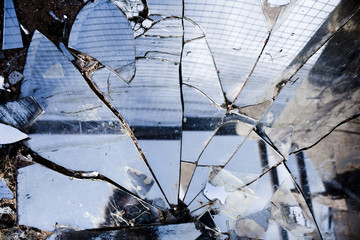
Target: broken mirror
point(151, 119)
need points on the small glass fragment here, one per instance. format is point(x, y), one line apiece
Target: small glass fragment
point(208, 221)
point(273, 10)
point(141, 182)
point(256, 111)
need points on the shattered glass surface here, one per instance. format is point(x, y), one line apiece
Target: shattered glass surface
point(191, 120)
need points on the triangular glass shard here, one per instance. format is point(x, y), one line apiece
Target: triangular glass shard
point(20, 113)
point(208, 221)
point(256, 111)
point(274, 10)
point(47, 199)
point(163, 156)
point(199, 70)
point(281, 138)
point(224, 143)
point(201, 118)
point(74, 116)
point(252, 159)
point(11, 30)
point(54, 71)
point(187, 170)
point(286, 210)
point(228, 50)
point(198, 182)
point(101, 31)
point(10, 135)
point(57, 90)
point(5, 192)
point(192, 30)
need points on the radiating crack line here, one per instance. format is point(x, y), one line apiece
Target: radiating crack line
point(126, 125)
point(356, 115)
point(202, 151)
point(282, 83)
point(181, 96)
point(306, 202)
point(261, 175)
point(252, 70)
point(305, 61)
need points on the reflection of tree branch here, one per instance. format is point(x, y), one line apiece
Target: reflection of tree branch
point(356, 115)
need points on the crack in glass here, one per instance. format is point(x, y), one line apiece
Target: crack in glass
point(162, 114)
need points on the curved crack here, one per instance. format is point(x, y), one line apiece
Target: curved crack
point(356, 115)
point(89, 175)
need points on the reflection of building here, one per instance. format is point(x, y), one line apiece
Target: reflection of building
point(328, 96)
